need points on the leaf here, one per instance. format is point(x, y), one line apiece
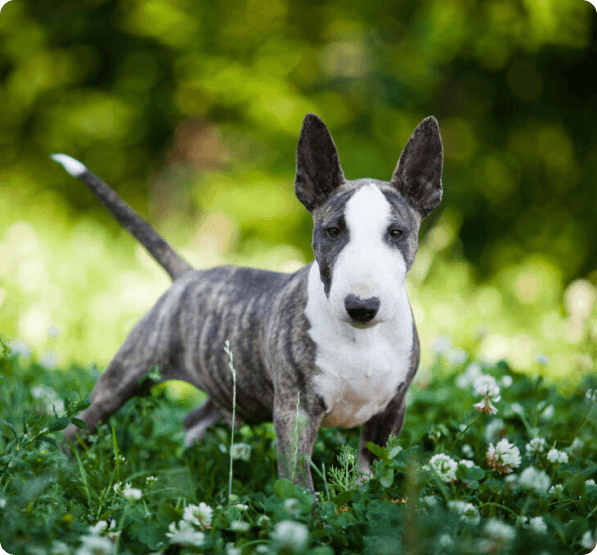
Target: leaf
point(476, 473)
point(284, 488)
point(462, 472)
point(472, 484)
point(343, 498)
point(10, 427)
point(378, 451)
point(388, 478)
point(82, 405)
point(59, 424)
point(46, 439)
point(394, 451)
point(79, 423)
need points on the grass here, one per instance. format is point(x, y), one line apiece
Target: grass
point(489, 461)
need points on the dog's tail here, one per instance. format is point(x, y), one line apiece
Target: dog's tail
point(128, 218)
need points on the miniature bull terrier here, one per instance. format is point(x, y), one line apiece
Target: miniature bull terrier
point(333, 344)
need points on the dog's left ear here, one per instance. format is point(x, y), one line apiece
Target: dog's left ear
point(318, 170)
point(418, 175)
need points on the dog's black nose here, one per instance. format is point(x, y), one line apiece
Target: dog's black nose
point(361, 310)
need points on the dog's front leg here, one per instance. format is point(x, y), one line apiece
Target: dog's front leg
point(379, 428)
point(296, 432)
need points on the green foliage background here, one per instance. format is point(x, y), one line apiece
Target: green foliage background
point(191, 110)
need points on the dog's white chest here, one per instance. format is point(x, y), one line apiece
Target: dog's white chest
point(359, 379)
point(361, 369)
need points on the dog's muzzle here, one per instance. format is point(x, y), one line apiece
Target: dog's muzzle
point(361, 311)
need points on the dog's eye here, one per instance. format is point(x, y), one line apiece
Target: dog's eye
point(395, 233)
point(333, 232)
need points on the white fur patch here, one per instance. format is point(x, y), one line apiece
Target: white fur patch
point(72, 166)
point(361, 369)
point(367, 266)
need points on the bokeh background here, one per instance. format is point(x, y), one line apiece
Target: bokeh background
point(191, 110)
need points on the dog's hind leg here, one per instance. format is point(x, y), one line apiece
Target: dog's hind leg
point(143, 350)
point(201, 418)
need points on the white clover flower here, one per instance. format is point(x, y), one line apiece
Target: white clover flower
point(130, 492)
point(576, 448)
point(511, 481)
point(487, 387)
point(440, 345)
point(556, 489)
point(503, 457)
point(499, 530)
point(241, 506)
point(467, 463)
point(241, 451)
point(506, 381)
point(2, 502)
point(98, 528)
point(293, 506)
point(589, 540)
point(547, 413)
point(151, 479)
point(239, 526)
point(291, 535)
point(590, 483)
point(537, 525)
point(185, 534)
point(467, 511)
point(456, 356)
point(517, 408)
point(472, 372)
point(19, 347)
point(95, 545)
point(444, 466)
point(430, 501)
point(445, 541)
point(49, 398)
point(534, 479)
point(59, 548)
point(118, 488)
point(231, 550)
point(199, 515)
point(263, 520)
point(542, 359)
point(535, 446)
point(468, 451)
point(555, 456)
point(591, 395)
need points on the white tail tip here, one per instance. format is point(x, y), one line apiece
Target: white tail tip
point(72, 166)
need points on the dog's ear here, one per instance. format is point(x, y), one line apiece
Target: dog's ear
point(418, 175)
point(318, 171)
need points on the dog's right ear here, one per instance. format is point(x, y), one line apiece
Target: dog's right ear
point(318, 170)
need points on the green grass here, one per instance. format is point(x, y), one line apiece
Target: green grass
point(137, 489)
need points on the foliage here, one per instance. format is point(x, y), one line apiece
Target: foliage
point(192, 113)
point(136, 489)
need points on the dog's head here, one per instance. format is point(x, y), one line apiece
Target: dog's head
point(365, 234)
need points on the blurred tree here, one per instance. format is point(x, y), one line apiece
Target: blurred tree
point(205, 100)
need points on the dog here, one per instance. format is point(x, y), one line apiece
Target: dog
point(333, 344)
